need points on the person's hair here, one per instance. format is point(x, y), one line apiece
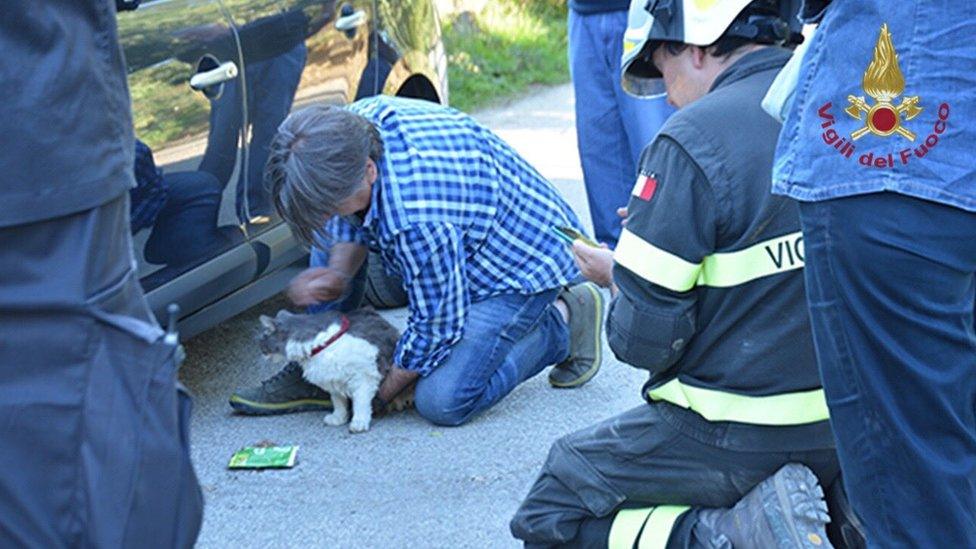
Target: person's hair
point(318, 159)
point(724, 47)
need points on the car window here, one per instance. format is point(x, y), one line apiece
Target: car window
point(184, 209)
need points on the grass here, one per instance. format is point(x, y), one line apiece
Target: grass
point(510, 45)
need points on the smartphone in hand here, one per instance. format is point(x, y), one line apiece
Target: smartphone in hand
point(569, 235)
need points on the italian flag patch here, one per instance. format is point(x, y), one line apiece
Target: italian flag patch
point(645, 187)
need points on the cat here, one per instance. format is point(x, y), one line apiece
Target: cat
point(349, 367)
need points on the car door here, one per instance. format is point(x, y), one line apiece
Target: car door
point(296, 52)
point(184, 75)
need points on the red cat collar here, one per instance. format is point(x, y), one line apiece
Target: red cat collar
point(343, 328)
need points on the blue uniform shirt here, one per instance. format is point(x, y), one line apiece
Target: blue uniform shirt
point(929, 156)
point(459, 216)
point(64, 114)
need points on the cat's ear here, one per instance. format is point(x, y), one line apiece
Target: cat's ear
point(267, 322)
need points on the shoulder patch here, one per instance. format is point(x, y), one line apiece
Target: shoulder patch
point(645, 186)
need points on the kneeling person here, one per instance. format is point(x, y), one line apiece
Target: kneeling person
point(464, 221)
point(711, 302)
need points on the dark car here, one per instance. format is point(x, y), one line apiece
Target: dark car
point(210, 81)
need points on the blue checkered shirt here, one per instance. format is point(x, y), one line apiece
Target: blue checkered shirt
point(459, 216)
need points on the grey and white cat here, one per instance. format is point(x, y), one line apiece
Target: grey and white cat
point(350, 368)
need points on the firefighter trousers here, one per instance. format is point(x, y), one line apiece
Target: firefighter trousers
point(657, 455)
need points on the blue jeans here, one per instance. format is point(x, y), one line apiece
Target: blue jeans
point(507, 339)
point(612, 128)
point(186, 231)
point(890, 283)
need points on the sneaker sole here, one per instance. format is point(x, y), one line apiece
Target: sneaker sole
point(588, 375)
point(252, 408)
point(803, 515)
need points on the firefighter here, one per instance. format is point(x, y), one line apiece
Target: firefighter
point(733, 443)
point(891, 262)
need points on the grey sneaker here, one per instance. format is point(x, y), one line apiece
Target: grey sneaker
point(785, 510)
point(585, 304)
point(283, 393)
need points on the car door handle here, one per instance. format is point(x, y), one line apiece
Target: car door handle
point(349, 22)
point(224, 72)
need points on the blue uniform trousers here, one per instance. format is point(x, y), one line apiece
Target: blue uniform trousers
point(94, 429)
point(612, 128)
point(890, 283)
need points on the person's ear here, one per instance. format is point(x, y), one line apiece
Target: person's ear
point(371, 172)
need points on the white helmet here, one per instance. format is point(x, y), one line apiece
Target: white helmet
point(699, 23)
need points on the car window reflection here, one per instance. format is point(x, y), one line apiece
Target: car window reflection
point(182, 215)
point(274, 55)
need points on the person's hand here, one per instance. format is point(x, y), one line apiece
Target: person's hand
point(317, 285)
point(622, 214)
point(396, 380)
point(596, 264)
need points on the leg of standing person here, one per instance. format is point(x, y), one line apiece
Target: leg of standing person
point(271, 90)
point(641, 117)
point(890, 283)
point(611, 129)
point(95, 429)
point(507, 339)
point(226, 115)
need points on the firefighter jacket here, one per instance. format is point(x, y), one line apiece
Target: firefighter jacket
point(709, 266)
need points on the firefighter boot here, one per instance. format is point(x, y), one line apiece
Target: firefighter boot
point(785, 510)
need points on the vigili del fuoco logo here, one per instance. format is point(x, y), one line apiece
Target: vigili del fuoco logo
point(883, 81)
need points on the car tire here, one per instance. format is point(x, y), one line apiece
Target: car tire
point(382, 290)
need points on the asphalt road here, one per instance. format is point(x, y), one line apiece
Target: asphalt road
point(405, 483)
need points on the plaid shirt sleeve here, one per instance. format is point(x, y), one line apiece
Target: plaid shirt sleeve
point(339, 229)
point(431, 258)
point(149, 196)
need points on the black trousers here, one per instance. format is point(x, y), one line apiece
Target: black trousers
point(94, 428)
point(658, 455)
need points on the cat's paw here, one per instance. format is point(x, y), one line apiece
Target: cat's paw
point(335, 419)
point(358, 425)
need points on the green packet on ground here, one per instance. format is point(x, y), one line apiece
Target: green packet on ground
point(263, 457)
